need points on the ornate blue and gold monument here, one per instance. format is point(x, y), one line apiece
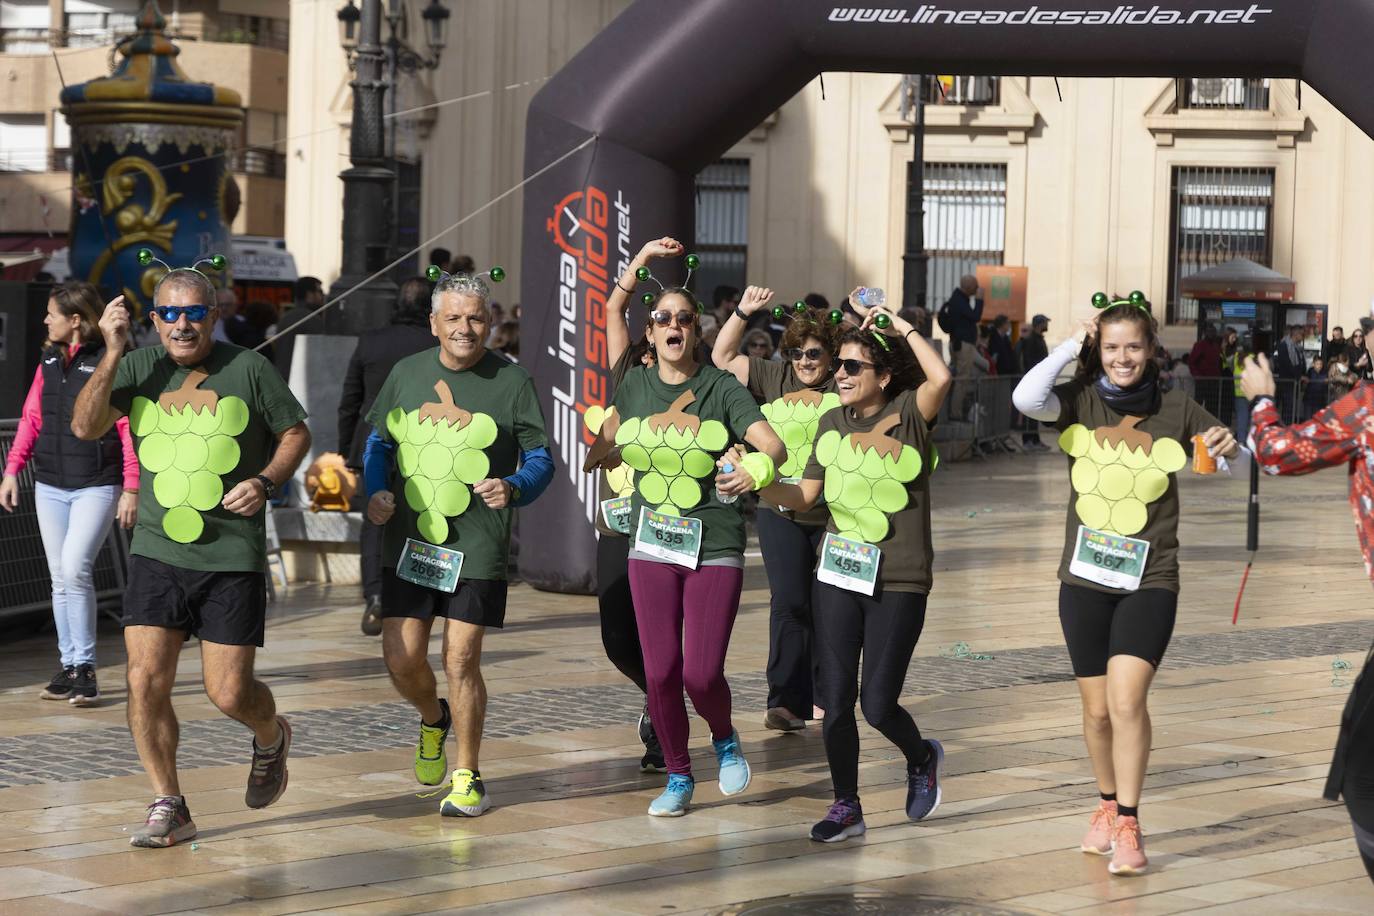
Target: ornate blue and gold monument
point(150, 162)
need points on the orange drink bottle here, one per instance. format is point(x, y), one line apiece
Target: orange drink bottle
point(1203, 462)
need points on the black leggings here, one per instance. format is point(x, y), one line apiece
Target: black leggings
point(619, 632)
point(789, 557)
point(1355, 758)
point(1098, 625)
point(885, 630)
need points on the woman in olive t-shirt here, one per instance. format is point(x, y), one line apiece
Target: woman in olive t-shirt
point(1125, 439)
point(795, 393)
point(873, 459)
point(686, 560)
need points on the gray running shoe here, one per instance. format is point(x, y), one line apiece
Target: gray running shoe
point(267, 779)
point(169, 822)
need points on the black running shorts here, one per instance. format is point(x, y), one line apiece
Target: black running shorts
point(1098, 625)
point(481, 602)
point(229, 608)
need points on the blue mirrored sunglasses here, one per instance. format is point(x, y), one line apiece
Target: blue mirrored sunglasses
point(170, 314)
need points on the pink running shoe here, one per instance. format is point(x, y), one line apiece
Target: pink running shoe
point(1128, 848)
point(1098, 841)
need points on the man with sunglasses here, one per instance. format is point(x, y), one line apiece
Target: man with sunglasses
point(217, 432)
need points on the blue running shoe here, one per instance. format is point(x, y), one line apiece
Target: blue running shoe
point(844, 820)
point(734, 769)
point(676, 799)
point(923, 784)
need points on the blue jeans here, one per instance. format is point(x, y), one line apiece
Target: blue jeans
point(74, 523)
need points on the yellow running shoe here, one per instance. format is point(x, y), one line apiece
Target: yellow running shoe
point(468, 798)
point(431, 766)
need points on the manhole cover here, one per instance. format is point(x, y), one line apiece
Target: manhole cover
point(870, 903)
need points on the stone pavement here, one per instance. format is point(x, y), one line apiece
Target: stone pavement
point(1244, 723)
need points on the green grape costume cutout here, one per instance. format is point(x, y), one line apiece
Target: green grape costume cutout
point(865, 479)
point(1117, 472)
point(439, 452)
point(794, 417)
point(603, 423)
point(187, 440)
point(670, 450)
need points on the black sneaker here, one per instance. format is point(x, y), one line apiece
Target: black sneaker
point(60, 687)
point(844, 820)
point(652, 761)
point(85, 692)
point(372, 617)
point(923, 784)
point(267, 779)
point(646, 727)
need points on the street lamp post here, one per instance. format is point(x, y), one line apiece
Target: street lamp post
point(369, 216)
point(914, 258)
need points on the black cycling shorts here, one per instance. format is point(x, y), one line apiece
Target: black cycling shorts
point(1098, 625)
point(229, 608)
point(481, 602)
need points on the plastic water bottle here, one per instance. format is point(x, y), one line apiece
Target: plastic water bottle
point(721, 497)
point(871, 296)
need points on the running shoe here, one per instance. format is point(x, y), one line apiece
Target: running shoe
point(844, 820)
point(431, 765)
point(60, 687)
point(469, 796)
point(923, 784)
point(676, 798)
point(734, 769)
point(1128, 848)
point(1098, 840)
point(646, 725)
point(372, 618)
point(652, 761)
point(85, 691)
point(267, 778)
point(169, 822)
point(781, 719)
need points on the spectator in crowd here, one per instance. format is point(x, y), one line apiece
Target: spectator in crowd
point(498, 318)
point(1181, 377)
point(959, 318)
point(1030, 350)
point(309, 298)
point(1361, 362)
point(77, 483)
point(1340, 377)
point(440, 258)
point(463, 264)
point(377, 352)
point(1290, 367)
point(1316, 394)
point(986, 360)
point(757, 343)
point(228, 302)
point(1335, 345)
point(512, 350)
point(999, 343)
point(1204, 362)
point(710, 330)
point(251, 325)
point(918, 318)
point(1231, 365)
point(515, 313)
point(723, 303)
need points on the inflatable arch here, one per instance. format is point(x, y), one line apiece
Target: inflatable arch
point(671, 85)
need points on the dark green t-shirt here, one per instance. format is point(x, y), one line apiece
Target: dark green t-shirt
point(793, 410)
point(1121, 470)
point(672, 435)
point(452, 430)
point(877, 487)
point(198, 436)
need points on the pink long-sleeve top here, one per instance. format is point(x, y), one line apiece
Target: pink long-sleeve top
point(31, 424)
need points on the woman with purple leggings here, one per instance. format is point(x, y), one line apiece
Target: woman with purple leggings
point(670, 422)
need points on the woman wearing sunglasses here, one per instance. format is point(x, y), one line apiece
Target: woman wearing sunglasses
point(686, 562)
point(77, 488)
point(872, 461)
point(795, 393)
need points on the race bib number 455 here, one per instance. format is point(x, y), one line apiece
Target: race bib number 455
point(1109, 559)
point(849, 564)
point(669, 537)
point(429, 566)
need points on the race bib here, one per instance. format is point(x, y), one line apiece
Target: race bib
point(851, 565)
point(616, 514)
point(669, 537)
point(1109, 559)
point(429, 566)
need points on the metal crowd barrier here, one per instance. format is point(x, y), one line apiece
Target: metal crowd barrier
point(25, 586)
point(1218, 396)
